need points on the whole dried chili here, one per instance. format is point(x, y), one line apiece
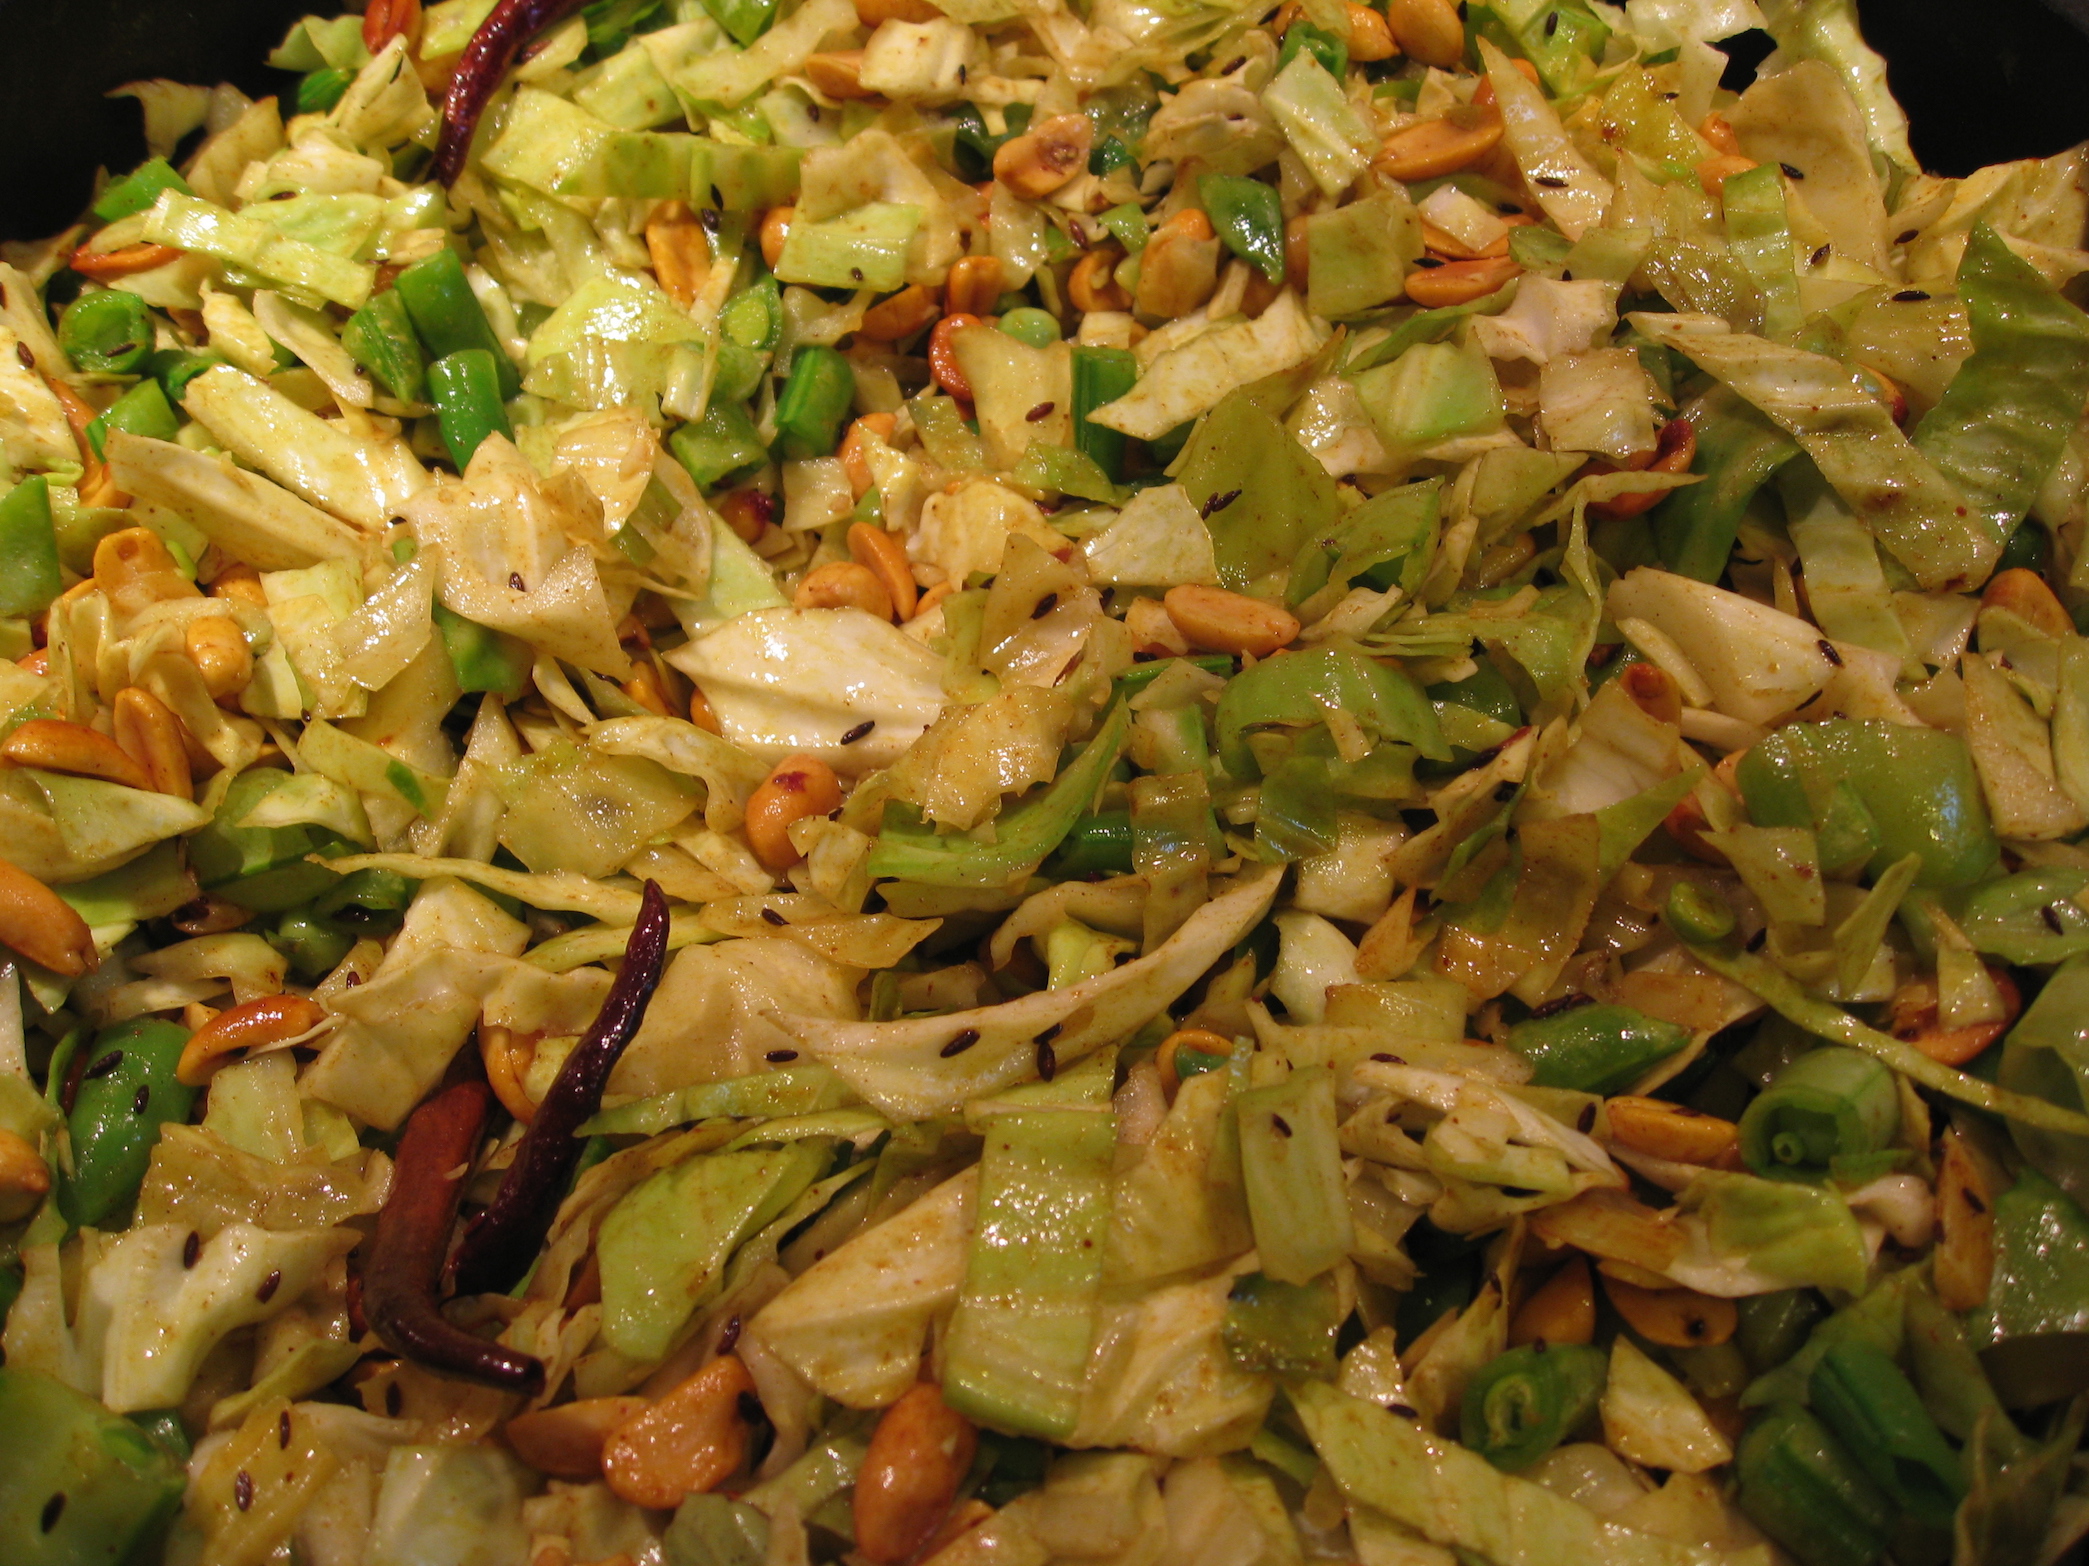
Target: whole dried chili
point(501, 1242)
point(404, 1271)
point(484, 62)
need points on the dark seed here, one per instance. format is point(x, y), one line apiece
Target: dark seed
point(1236, 65)
point(54, 1508)
point(269, 1285)
point(2052, 920)
point(1828, 652)
point(730, 1336)
point(1047, 1062)
point(283, 1430)
point(142, 1099)
point(1586, 1120)
point(1050, 1033)
point(1428, 263)
point(1819, 256)
point(1044, 606)
point(859, 731)
point(515, 581)
point(354, 978)
point(1552, 182)
point(771, 916)
point(394, 1400)
point(1283, 1126)
point(710, 219)
point(191, 1250)
point(1402, 1409)
point(1902, 239)
point(1540, 1346)
point(1551, 23)
point(1790, 172)
point(778, 1057)
point(1042, 411)
point(1218, 503)
point(856, 274)
point(1972, 1200)
point(243, 1490)
point(104, 1066)
point(1390, 1060)
point(22, 353)
point(1910, 296)
point(960, 1042)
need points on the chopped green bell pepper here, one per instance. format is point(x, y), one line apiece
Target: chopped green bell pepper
point(381, 338)
point(814, 403)
point(138, 190)
point(81, 1486)
point(143, 410)
point(447, 315)
point(1246, 213)
point(722, 441)
point(1805, 1491)
point(106, 332)
point(29, 573)
point(1868, 1402)
point(127, 1092)
point(1595, 1049)
point(465, 387)
point(1522, 1404)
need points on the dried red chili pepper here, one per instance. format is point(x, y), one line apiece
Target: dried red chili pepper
point(479, 69)
point(501, 1242)
point(401, 1278)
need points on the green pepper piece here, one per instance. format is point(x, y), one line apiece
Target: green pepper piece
point(2030, 548)
point(143, 410)
point(1247, 214)
point(1738, 451)
point(1100, 844)
point(1522, 1404)
point(1831, 1103)
point(1595, 1049)
point(753, 318)
point(139, 189)
point(1322, 45)
point(1695, 916)
point(127, 1092)
point(1874, 1409)
point(814, 403)
point(80, 1484)
point(1772, 1327)
point(1139, 676)
point(465, 388)
point(1101, 375)
point(315, 947)
point(262, 868)
point(174, 368)
point(371, 900)
point(1801, 1488)
point(318, 91)
point(1917, 785)
point(29, 574)
point(380, 337)
point(2033, 1332)
point(1283, 1329)
point(165, 1427)
point(106, 332)
point(1031, 326)
point(484, 659)
point(447, 316)
point(721, 442)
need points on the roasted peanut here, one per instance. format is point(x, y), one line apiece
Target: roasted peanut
point(1369, 36)
point(884, 554)
point(1886, 389)
point(703, 714)
point(1562, 1310)
point(1484, 97)
point(566, 1442)
point(1198, 1041)
point(57, 746)
point(942, 356)
point(680, 251)
point(1674, 1318)
point(974, 285)
point(506, 1057)
point(128, 553)
point(239, 1030)
point(1459, 282)
point(208, 915)
point(25, 1179)
point(798, 787)
point(1220, 621)
point(2024, 594)
point(901, 315)
point(219, 651)
point(775, 229)
point(838, 74)
point(872, 12)
point(240, 581)
point(1429, 30)
point(919, 1455)
point(150, 734)
point(1093, 285)
point(860, 479)
point(108, 265)
point(645, 688)
point(1179, 269)
point(384, 20)
point(1963, 1265)
point(1714, 172)
point(42, 926)
point(843, 584)
point(1673, 1131)
point(1719, 132)
point(1434, 148)
point(685, 1444)
point(1911, 1017)
point(1675, 448)
point(1046, 156)
point(748, 512)
point(1653, 691)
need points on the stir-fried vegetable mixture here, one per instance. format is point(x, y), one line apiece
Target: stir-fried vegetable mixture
point(971, 782)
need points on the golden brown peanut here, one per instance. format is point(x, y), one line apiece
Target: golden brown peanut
point(1717, 130)
point(919, 1455)
point(851, 453)
point(506, 1057)
point(57, 746)
point(1714, 172)
point(566, 1442)
point(1484, 98)
point(1963, 1265)
point(1886, 389)
point(1046, 156)
point(872, 12)
point(1179, 269)
point(1674, 450)
point(747, 512)
point(885, 555)
point(1220, 621)
point(775, 229)
point(1093, 285)
point(1459, 282)
point(1369, 36)
point(703, 714)
point(129, 552)
point(974, 286)
point(42, 926)
point(240, 581)
point(239, 1030)
point(799, 787)
point(687, 1443)
point(680, 251)
point(1672, 1131)
point(150, 734)
point(943, 361)
point(1498, 562)
point(1429, 30)
point(838, 74)
point(901, 315)
point(208, 915)
point(1563, 1310)
point(25, 1179)
point(108, 265)
point(219, 651)
point(1674, 1318)
point(2024, 594)
point(1911, 1017)
point(644, 687)
point(1434, 148)
point(1198, 1041)
point(843, 584)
